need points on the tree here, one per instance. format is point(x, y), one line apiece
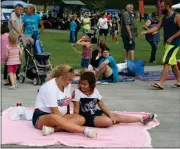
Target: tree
point(98, 4)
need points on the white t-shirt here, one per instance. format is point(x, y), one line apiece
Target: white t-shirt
point(51, 96)
point(102, 23)
point(88, 104)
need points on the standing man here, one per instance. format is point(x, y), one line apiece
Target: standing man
point(128, 30)
point(171, 26)
point(32, 21)
point(15, 21)
point(16, 26)
point(78, 23)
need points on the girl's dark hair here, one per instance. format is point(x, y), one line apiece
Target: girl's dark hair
point(91, 78)
point(102, 45)
point(105, 49)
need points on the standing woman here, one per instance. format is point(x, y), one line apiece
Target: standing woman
point(51, 103)
point(154, 38)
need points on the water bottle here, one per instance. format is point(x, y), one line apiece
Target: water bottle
point(18, 104)
point(130, 42)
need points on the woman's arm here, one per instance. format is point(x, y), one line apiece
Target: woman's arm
point(147, 23)
point(152, 30)
point(104, 108)
point(55, 110)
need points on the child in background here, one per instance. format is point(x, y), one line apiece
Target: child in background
point(4, 42)
point(14, 59)
point(115, 29)
point(87, 97)
point(73, 27)
point(87, 51)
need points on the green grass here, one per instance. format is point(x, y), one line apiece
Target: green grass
point(151, 8)
point(62, 52)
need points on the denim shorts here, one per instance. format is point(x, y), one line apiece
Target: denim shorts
point(85, 63)
point(36, 115)
point(90, 118)
point(127, 45)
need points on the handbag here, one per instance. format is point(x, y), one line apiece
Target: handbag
point(135, 67)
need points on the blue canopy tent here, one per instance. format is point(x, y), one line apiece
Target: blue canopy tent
point(56, 9)
point(12, 4)
point(84, 9)
point(111, 10)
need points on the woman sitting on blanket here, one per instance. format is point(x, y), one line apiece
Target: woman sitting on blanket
point(96, 56)
point(107, 69)
point(87, 97)
point(51, 103)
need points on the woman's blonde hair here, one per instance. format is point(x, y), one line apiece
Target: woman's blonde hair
point(61, 70)
point(12, 38)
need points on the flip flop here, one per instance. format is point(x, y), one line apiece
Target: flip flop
point(157, 86)
point(176, 85)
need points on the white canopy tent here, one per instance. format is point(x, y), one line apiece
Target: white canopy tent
point(177, 6)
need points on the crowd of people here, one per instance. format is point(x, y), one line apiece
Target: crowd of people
point(52, 103)
point(18, 26)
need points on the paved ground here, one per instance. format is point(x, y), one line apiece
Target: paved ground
point(135, 96)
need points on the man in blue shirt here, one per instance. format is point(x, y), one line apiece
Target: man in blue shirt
point(32, 21)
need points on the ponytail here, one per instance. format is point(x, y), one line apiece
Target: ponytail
point(61, 70)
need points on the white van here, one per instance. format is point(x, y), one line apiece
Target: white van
point(5, 14)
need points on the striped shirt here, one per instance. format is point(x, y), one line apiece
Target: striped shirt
point(13, 55)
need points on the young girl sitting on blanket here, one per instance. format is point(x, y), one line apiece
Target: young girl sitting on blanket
point(87, 97)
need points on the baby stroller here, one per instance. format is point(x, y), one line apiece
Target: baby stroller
point(37, 64)
point(93, 34)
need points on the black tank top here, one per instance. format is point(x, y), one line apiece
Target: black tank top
point(170, 28)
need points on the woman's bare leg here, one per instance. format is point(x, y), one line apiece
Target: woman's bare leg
point(75, 118)
point(58, 123)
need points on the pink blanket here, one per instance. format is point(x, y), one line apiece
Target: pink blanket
point(22, 132)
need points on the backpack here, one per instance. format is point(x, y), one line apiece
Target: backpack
point(38, 47)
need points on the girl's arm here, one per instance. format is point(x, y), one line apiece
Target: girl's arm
point(76, 104)
point(81, 42)
point(76, 107)
point(73, 45)
point(104, 108)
